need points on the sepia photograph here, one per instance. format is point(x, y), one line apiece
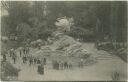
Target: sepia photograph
point(63, 41)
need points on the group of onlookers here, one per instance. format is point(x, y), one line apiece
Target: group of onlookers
point(24, 54)
point(13, 53)
point(60, 65)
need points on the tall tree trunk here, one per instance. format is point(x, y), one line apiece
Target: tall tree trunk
point(113, 23)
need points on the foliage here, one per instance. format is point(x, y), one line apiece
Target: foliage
point(18, 12)
point(42, 15)
point(8, 70)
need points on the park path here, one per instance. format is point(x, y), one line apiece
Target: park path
point(100, 71)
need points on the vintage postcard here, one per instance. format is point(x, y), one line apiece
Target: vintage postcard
point(63, 41)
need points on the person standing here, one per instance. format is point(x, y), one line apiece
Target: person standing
point(81, 63)
point(70, 65)
point(20, 51)
point(41, 69)
point(30, 61)
point(65, 65)
point(61, 64)
point(28, 49)
point(11, 52)
point(35, 60)
point(38, 61)
point(44, 61)
point(24, 50)
point(57, 65)
point(24, 59)
point(14, 57)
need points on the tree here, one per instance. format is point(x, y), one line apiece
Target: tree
point(18, 12)
point(24, 30)
point(40, 15)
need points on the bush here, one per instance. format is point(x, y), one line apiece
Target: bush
point(8, 71)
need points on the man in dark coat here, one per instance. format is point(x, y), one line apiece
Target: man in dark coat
point(38, 61)
point(20, 52)
point(57, 65)
point(61, 65)
point(44, 61)
point(24, 59)
point(69, 65)
point(27, 50)
point(41, 69)
point(14, 57)
point(65, 65)
point(81, 63)
point(24, 50)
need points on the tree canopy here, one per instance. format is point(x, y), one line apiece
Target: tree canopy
point(39, 17)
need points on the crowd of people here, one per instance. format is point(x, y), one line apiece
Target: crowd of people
point(24, 54)
point(61, 65)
